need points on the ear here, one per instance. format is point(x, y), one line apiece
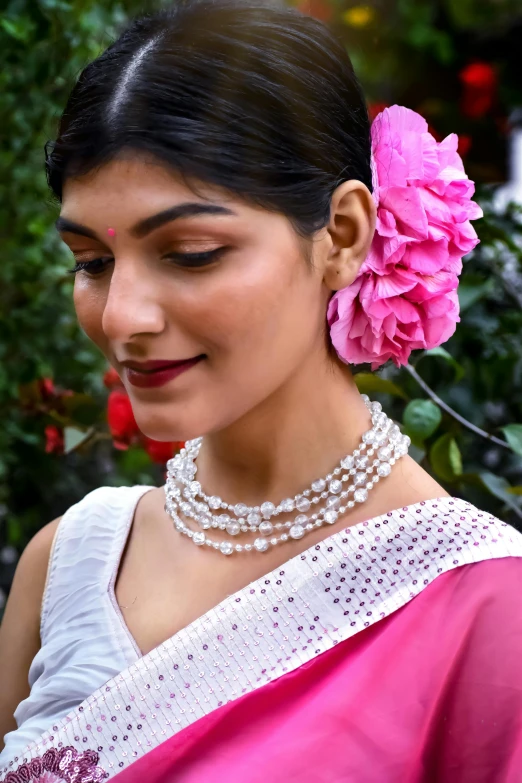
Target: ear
point(350, 232)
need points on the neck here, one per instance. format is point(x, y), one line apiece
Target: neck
point(293, 437)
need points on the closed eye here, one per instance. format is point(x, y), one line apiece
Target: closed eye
point(188, 260)
point(94, 267)
point(197, 259)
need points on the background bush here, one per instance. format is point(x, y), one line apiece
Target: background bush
point(413, 52)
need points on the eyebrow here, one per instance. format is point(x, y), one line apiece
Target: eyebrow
point(146, 226)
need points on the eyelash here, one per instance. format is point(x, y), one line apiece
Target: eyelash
point(189, 260)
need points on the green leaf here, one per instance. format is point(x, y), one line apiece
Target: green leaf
point(73, 438)
point(421, 418)
point(515, 490)
point(513, 433)
point(369, 383)
point(470, 292)
point(443, 354)
point(500, 488)
point(416, 453)
point(445, 458)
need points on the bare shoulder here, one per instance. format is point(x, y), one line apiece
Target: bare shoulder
point(20, 628)
point(412, 484)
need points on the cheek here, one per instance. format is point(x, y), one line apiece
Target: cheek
point(89, 303)
point(270, 307)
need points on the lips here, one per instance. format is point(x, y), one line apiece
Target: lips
point(157, 372)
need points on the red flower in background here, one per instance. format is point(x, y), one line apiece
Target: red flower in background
point(320, 9)
point(122, 424)
point(53, 440)
point(375, 108)
point(479, 81)
point(465, 143)
point(42, 396)
point(111, 379)
point(46, 388)
point(161, 451)
point(125, 431)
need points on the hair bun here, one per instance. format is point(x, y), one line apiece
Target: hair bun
point(405, 295)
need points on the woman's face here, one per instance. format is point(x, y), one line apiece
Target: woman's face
point(168, 276)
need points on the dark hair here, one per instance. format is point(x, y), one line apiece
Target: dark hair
point(251, 96)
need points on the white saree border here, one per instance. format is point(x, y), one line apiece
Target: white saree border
point(327, 594)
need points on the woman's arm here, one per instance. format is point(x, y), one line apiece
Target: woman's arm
point(20, 628)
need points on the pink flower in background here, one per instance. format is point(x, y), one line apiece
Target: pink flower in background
point(405, 295)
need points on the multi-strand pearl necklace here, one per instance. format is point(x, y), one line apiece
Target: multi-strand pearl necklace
point(352, 479)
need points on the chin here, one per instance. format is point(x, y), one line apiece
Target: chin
point(167, 428)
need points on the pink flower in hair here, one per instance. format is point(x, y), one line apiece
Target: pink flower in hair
point(405, 295)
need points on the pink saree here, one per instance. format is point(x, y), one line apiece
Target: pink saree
point(389, 653)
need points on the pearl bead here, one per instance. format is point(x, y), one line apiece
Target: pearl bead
point(233, 528)
point(360, 495)
point(335, 486)
point(383, 469)
point(226, 548)
point(267, 509)
point(394, 433)
point(214, 502)
point(261, 544)
point(253, 518)
point(287, 504)
point(265, 528)
point(198, 538)
point(303, 504)
point(297, 531)
point(347, 462)
point(330, 517)
point(318, 485)
point(359, 478)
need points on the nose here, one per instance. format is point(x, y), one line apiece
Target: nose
point(133, 303)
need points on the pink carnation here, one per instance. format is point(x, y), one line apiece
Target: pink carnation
point(405, 295)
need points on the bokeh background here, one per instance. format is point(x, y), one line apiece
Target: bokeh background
point(66, 425)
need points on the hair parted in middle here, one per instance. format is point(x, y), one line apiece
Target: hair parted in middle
point(251, 96)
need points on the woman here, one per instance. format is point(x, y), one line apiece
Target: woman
point(301, 601)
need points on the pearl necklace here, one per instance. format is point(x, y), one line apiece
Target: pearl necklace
point(184, 494)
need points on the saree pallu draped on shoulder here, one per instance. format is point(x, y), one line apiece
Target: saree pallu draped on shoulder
point(389, 653)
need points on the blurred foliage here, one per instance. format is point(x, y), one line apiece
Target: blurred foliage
point(405, 51)
point(44, 44)
point(478, 374)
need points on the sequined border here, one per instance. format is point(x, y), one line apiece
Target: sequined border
point(323, 596)
point(57, 765)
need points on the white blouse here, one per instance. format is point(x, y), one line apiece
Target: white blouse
point(85, 641)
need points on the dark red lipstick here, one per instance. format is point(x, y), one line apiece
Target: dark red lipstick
point(157, 372)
